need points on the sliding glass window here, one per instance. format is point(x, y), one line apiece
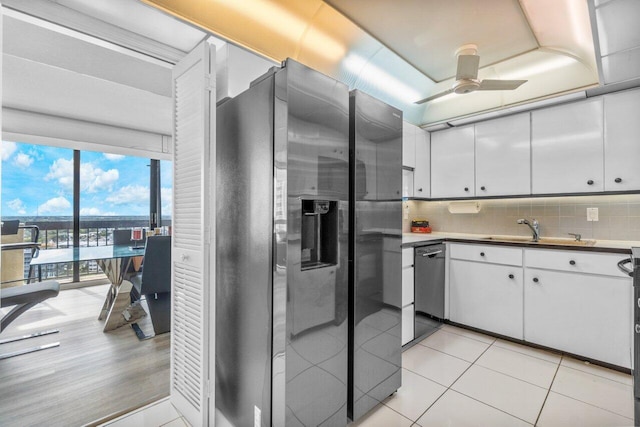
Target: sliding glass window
point(113, 191)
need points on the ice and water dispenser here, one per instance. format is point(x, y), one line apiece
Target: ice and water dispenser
point(319, 246)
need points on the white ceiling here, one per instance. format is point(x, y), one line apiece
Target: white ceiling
point(399, 51)
point(427, 33)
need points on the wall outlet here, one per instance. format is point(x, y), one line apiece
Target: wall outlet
point(592, 214)
point(257, 417)
point(406, 212)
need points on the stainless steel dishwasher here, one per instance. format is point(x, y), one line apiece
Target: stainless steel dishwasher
point(429, 264)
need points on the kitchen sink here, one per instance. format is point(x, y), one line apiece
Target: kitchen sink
point(543, 240)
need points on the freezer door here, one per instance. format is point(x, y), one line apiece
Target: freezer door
point(311, 153)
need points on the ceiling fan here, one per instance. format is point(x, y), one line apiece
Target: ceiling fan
point(467, 76)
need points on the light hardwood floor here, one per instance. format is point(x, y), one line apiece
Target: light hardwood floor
point(92, 375)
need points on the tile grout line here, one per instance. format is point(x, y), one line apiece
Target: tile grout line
point(495, 340)
point(466, 336)
point(582, 401)
point(591, 404)
point(449, 387)
point(548, 391)
point(515, 378)
point(597, 375)
point(528, 354)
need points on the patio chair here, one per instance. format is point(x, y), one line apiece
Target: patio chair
point(155, 284)
point(22, 298)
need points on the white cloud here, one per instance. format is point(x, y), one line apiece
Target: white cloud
point(95, 179)
point(18, 206)
point(113, 157)
point(95, 212)
point(62, 171)
point(129, 194)
point(92, 179)
point(36, 154)
point(7, 148)
point(57, 205)
point(167, 200)
point(22, 160)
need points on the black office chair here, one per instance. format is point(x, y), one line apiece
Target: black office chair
point(155, 284)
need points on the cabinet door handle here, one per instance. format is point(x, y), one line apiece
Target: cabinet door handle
point(511, 276)
point(535, 280)
point(618, 180)
point(420, 189)
point(481, 253)
point(466, 188)
point(590, 182)
point(483, 188)
point(572, 262)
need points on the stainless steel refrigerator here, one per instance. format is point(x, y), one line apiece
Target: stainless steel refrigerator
point(375, 289)
point(282, 190)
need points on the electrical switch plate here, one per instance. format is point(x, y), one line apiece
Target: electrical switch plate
point(406, 212)
point(592, 214)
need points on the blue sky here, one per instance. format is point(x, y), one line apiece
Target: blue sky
point(38, 180)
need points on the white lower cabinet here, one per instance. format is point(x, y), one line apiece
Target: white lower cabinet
point(486, 296)
point(585, 314)
point(573, 301)
point(407, 324)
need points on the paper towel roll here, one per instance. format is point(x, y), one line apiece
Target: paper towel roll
point(464, 207)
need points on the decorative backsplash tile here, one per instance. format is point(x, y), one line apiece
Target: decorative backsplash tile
point(619, 216)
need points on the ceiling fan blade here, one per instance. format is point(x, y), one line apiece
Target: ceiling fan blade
point(436, 96)
point(467, 67)
point(500, 84)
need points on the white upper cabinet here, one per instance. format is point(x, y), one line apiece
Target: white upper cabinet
point(622, 141)
point(407, 183)
point(408, 144)
point(453, 163)
point(567, 148)
point(503, 156)
point(422, 171)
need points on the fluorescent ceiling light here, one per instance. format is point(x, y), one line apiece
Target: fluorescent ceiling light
point(381, 79)
point(281, 21)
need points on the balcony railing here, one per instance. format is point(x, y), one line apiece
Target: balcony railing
point(59, 234)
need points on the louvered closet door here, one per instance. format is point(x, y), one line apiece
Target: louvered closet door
point(193, 261)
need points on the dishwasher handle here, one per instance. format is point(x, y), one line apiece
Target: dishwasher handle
point(621, 266)
point(431, 254)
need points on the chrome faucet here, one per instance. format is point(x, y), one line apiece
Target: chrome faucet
point(534, 226)
point(576, 235)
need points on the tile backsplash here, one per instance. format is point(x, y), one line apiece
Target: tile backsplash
point(619, 216)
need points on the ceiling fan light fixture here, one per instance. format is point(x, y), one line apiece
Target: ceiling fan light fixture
point(466, 86)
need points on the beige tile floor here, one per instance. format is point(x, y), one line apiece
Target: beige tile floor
point(458, 377)
point(158, 414)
